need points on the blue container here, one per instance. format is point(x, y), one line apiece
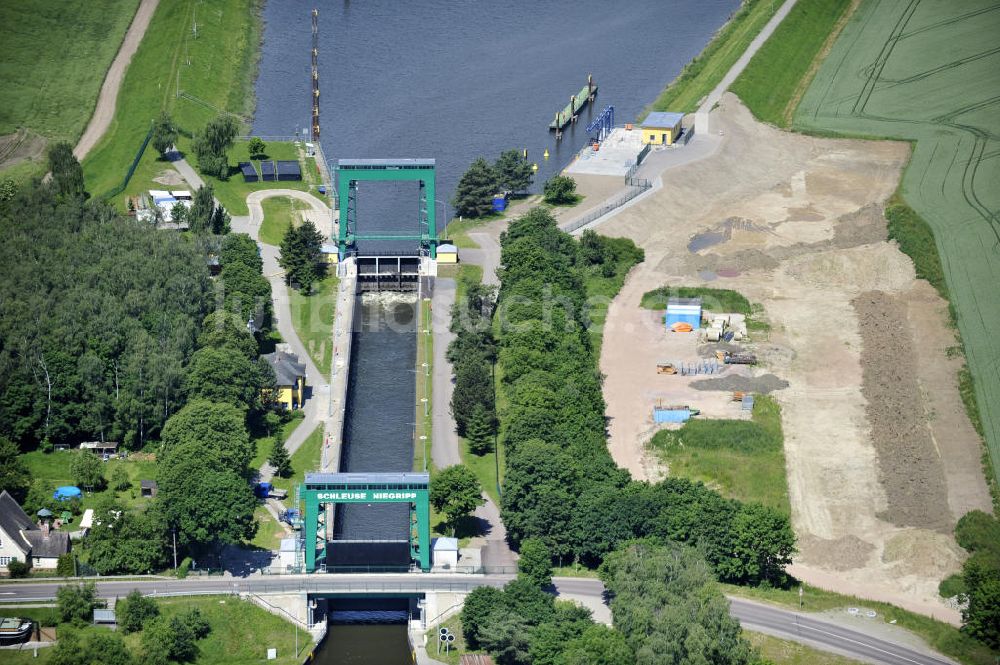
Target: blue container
point(263, 490)
point(499, 204)
point(322, 189)
point(671, 415)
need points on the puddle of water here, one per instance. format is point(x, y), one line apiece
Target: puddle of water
point(705, 240)
point(728, 272)
point(708, 275)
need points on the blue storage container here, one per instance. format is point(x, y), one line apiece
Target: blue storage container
point(499, 204)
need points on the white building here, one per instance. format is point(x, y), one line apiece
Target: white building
point(23, 540)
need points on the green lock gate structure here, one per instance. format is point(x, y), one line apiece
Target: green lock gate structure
point(352, 171)
point(321, 489)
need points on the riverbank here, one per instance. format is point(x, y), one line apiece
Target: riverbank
point(192, 64)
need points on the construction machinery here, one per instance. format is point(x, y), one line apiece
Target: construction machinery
point(666, 368)
point(730, 358)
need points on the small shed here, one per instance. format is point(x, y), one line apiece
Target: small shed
point(445, 552)
point(148, 488)
point(267, 171)
point(661, 128)
point(249, 172)
point(447, 253)
point(181, 195)
point(683, 310)
point(330, 252)
point(100, 447)
point(289, 169)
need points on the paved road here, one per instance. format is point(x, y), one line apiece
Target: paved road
point(316, 407)
point(487, 256)
point(738, 67)
point(783, 623)
point(444, 439)
point(104, 111)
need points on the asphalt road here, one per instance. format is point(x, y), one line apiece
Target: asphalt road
point(776, 621)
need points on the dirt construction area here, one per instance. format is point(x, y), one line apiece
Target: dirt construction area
point(881, 457)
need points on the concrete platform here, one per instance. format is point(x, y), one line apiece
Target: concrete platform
point(617, 153)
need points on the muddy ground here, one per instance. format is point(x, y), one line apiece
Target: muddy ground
point(879, 469)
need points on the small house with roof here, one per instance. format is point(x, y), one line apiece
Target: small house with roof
point(23, 540)
point(290, 377)
point(661, 128)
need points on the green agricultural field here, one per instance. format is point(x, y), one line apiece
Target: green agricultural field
point(929, 72)
point(701, 75)
point(55, 56)
point(214, 66)
point(744, 460)
point(776, 76)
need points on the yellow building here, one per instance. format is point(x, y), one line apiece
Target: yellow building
point(330, 253)
point(447, 253)
point(290, 377)
point(661, 128)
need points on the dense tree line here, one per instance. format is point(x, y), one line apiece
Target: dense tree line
point(978, 585)
point(561, 484)
point(472, 354)
point(99, 316)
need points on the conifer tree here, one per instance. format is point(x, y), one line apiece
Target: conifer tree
point(474, 194)
point(513, 171)
point(479, 431)
point(279, 459)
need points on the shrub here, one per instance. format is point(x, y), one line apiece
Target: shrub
point(182, 570)
point(560, 190)
point(17, 569)
point(66, 565)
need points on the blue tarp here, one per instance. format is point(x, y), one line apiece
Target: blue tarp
point(66, 492)
point(671, 415)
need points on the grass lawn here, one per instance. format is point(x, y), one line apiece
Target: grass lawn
point(600, 292)
point(232, 193)
point(777, 650)
point(269, 532)
point(54, 468)
point(306, 458)
point(702, 74)
point(279, 213)
point(744, 460)
point(455, 650)
point(458, 229)
point(941, 636)
point(265, 443)
point(312, 318)
point(936, 89)
point(773, 82)
point(54, 60)
point(216, 65)
point(241, 633)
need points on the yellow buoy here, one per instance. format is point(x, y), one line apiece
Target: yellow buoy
point(534, 168)
point(546, 155)
point(525, 153)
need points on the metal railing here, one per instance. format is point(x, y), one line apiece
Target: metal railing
point(636, 187)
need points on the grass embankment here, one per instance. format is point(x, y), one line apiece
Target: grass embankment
point(743, 459)
point(424, 411)
point(306, 458)
point(241, 633)
point(54, 468)
point(779, 73)
point(457, 231)
point(713, 300)
point(455, 650)
point(700, 76)
point(215, 65)
point(54, 61)
point(279, 213)
point(312, 318)
point(776, 650)
point(941, 636)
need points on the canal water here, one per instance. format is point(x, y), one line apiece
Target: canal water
point(450, 81)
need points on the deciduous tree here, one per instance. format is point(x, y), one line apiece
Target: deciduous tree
point(256, 147)
point(560, 190)
point(164, 134)
point(14, 476)
point(135, 610)
point(76, 603)
point(212, 144)
point(535, 563)
point(456, 492)
point(87, 470)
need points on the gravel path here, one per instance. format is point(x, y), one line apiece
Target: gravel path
point(104, 112)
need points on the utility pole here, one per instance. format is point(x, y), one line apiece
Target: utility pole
point(175, 548)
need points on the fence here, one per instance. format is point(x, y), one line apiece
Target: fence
point(131, 169)
point(636, 186)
